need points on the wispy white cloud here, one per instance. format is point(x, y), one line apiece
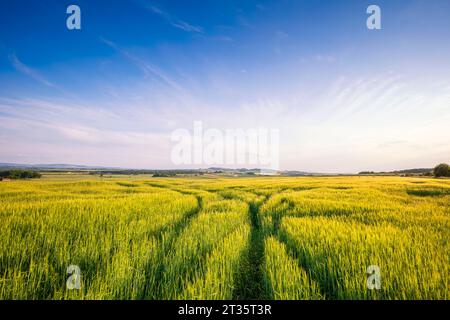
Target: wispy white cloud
point(26, 70)
point(366, 122)
point(175, 22)
point(53, 130)
point(146, 67)
point(377, 122)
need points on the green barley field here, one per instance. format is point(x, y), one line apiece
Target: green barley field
point(224, 238)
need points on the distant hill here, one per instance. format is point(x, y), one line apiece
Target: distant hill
point(212, 170)
point(62, 167)
point(298, 173)
point(418, 170)
point(94, 169)
point(415, 171)
point(49, 166)
point(259, 171)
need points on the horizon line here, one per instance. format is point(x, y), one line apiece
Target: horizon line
point(74, 166)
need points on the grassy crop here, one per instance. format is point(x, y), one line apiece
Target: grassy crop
point(139, 237)
point(283, 276)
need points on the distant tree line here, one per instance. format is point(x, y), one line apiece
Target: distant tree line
point(164, 173)
point(441, 170)
point(19, 174)
point(367, 172)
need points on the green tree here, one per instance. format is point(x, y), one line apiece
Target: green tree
point(19, 174)
point(442, 170)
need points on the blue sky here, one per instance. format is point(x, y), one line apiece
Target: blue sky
point(344, 98)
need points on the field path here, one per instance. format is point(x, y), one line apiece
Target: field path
point(250, 284)
point(173, 233)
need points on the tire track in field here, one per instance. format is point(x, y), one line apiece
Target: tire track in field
point(172, 231)
point(157, 292)
point(178, 226)
point(168, 246)
point(182, 276)
point(299, 257)
point(167, 238)
point(250, 278)
point(291, 250)
point(325, 288)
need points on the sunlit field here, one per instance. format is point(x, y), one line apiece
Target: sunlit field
point(140, 237)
